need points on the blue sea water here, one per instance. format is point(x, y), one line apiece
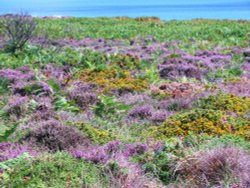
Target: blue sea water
point(165, 9)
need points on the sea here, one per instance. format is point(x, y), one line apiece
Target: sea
point(164, 9)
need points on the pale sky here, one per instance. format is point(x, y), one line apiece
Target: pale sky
point(165, 9)
point(117, 2)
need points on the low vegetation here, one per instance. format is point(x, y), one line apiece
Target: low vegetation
point(122, 102)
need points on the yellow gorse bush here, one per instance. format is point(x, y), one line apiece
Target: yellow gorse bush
point(111, 79)
point(227, 102)
point(199, 121)
point(96, 135)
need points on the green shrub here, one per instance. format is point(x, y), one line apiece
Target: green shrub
point(108, 105)
point(18, 29)
point(47, 170)
point(61, 103)
point(96, 135)
point(6, 131)
point(162, 163)
point(4, 86)
point(211, 142)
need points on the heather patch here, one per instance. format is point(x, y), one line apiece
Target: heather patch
point(53, 136)
point(148, 113)
point(197, 66)
point(82, 94)
point(177, 90)
point(13, 150)
point(211, 168)
point(239, 88)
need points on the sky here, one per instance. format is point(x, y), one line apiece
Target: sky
point(117, 2)
point(165, 9)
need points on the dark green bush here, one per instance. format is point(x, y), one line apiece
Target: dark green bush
point(58, 170)
point(18, 29)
